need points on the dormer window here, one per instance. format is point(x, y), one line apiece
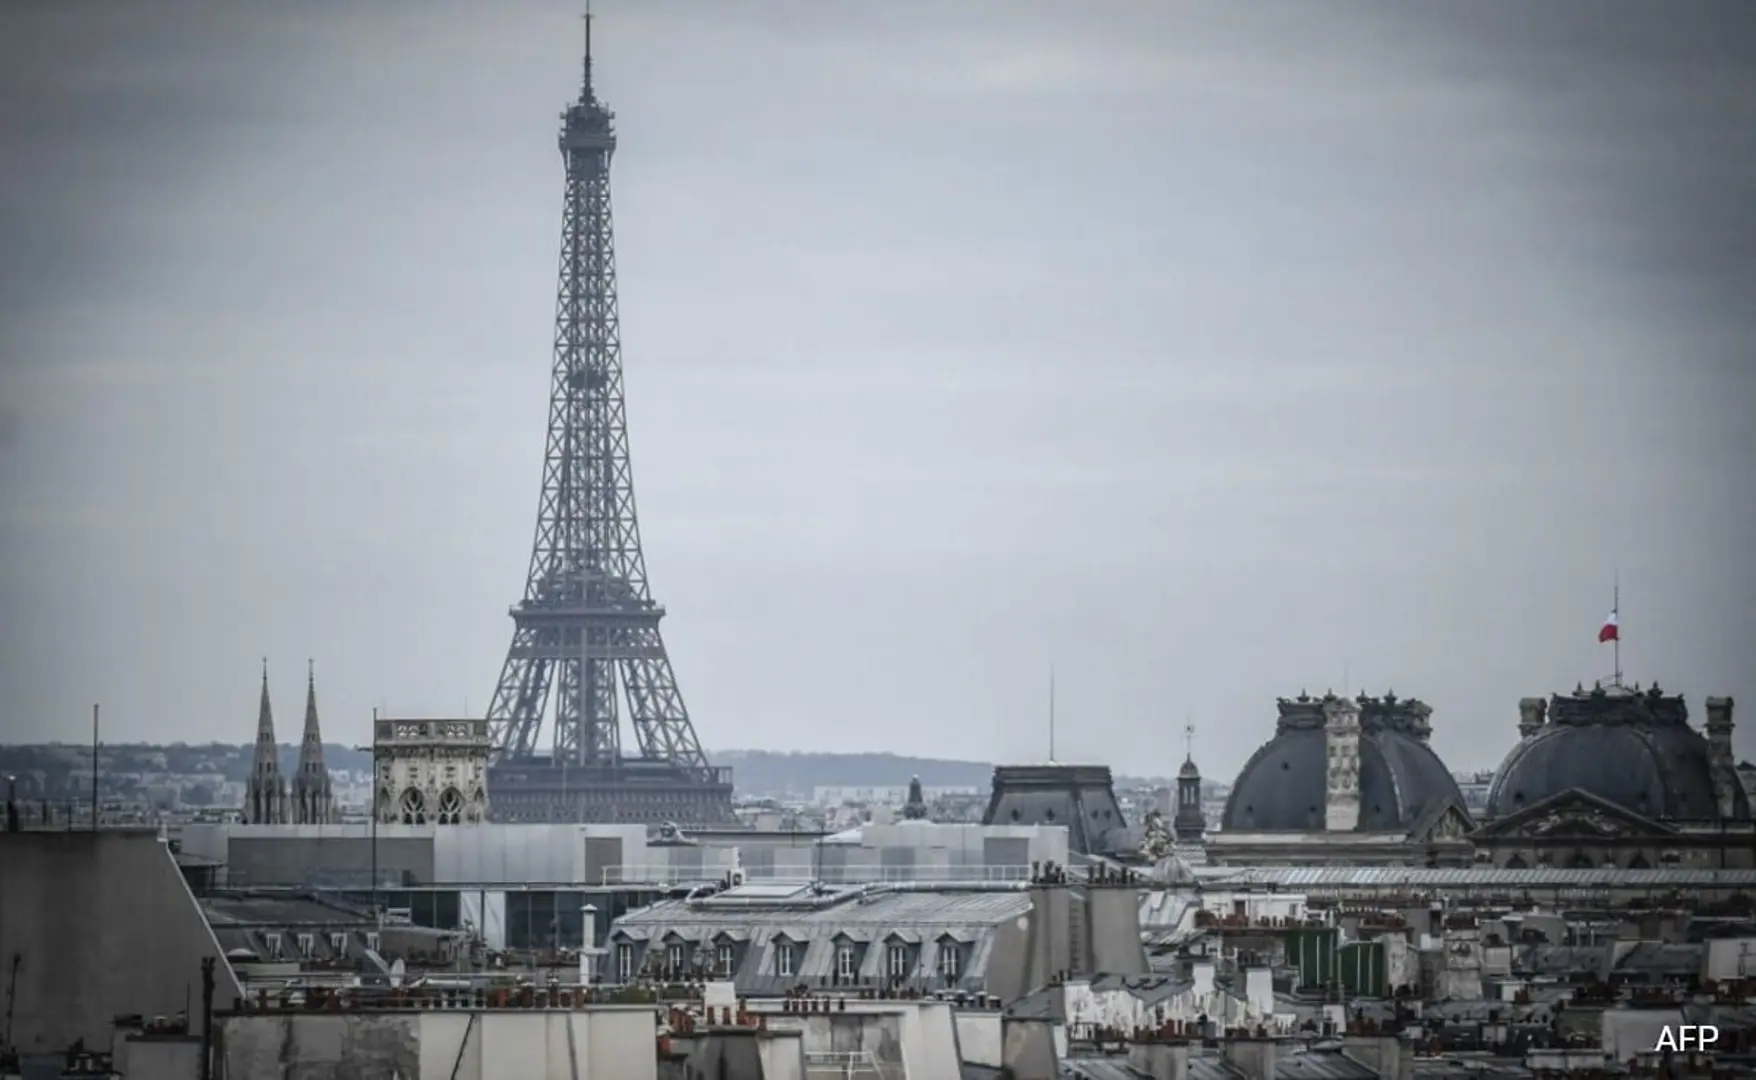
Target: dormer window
point(784, 958)
point(674, 959)
point(950, 960)
point(338, 943)
point(846, 962)
point(271, 945)
point(724, 959)
point(625, 963)
point(897, 961)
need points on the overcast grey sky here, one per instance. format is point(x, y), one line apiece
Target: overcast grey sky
point(1205, 352)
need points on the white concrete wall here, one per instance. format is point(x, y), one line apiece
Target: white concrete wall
point(205, 841)
point(963, 843)
point(1402, 964)
point(1259, 991)
point(930, 1048)
point(920, 1037)
point(1628, 1032)
point(505, 853)
point(1727, 959)
point(782, 1057)
point(1257, 905)
point(534, 853)
point(862, 1029)
point(980, 1038)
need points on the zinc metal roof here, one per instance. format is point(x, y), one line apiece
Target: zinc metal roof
point(850, 909)
point(1342, 877)
point(816, 928)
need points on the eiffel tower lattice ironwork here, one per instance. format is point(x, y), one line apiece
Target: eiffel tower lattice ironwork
point(587, 621)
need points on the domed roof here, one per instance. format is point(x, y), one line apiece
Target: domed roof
point(1282, 786)
point(1630, 748)
point(1189, 771)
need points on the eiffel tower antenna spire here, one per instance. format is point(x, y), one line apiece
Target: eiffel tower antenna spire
point(585, 93)
point(585, 639)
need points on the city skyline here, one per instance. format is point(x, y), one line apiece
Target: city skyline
point(1201, 356)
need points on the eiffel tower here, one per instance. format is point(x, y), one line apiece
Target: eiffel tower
point(588, 621)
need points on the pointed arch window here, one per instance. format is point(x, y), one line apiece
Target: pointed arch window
point(414, 807)
point(450, 806)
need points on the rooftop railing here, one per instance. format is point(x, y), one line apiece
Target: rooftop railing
point(662, 874)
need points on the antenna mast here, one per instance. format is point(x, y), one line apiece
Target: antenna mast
point(585, 87)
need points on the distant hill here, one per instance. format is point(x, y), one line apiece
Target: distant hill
point(757, 772)
point(53, 764)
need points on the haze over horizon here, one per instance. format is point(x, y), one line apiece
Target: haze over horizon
point(1202, 353)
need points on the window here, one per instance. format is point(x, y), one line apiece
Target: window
point(372, 940)
point(624, 963)
point(724, 957)
point(950, 959)
point(896, 961)
point(674, 958)
point(844, 963)
point(783, 959)
point(271, 944)
point(338, 942)
point(307, 944)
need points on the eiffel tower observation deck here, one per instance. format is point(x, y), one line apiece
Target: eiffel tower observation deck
point(585, 637)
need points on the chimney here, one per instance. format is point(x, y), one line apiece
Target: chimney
point(1049, 942)
point(1254, 1057)
point(1720, 762)
point(1380, 1053)
point(1341, 738)
point(1027, 1048)
point(1532, 712)
point(588, 950)
point(1160, 1060)
point(1112, 924)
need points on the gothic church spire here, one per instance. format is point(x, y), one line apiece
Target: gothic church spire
point(265, 799)
point(313, 794)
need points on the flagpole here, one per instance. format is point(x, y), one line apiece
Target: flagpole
point(1616, 610)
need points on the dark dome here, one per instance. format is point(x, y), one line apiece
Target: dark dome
point(1636, 750)
point(1188, 771)
point(1282, 786)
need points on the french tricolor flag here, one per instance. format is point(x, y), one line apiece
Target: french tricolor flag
point(1609, 631)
